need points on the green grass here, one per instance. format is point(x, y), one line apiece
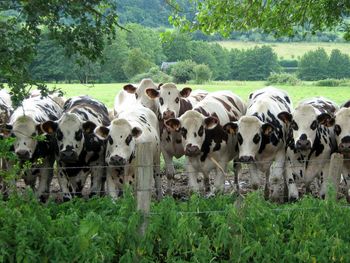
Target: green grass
point(107, 92)
point(289, 50)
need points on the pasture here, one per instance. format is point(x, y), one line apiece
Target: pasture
point(292, 50)
point(106, 92)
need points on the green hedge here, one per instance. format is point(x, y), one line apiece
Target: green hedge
point(198, 230)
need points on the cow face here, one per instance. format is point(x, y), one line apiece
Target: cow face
point(303, 125)
point(120, 138)
point(71, 133)
point(24, 129)
point(169, 99)
point(192, 126)
point(251, 134)
point(140, 93)
point(342, 131)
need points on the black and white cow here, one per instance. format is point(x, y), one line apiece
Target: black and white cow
point(310, 143)
point(79, 150)
point(205, 141)
point(172, 103)
point(131, 127)
point(261, 139)
point(24, 125)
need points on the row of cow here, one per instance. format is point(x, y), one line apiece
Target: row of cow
point(285, 146)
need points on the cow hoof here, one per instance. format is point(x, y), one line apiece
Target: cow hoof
point(43, 198)
point(67, 198)
point(293, 199)
point(323, 196)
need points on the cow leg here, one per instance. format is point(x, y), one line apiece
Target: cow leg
point(276, 180)
point(326, 182)
point(170, 172)
point(219, 179)
point(64, 184)
point(45, 178)
point(110, 183)
point(236, 171)
point(30, 179)
point(293, 193)
point(157, 176)
point(96, 179)
point(255, 176)
point(193, 178)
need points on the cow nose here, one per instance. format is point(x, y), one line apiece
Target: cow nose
point(168, 115)
point(303, 145)
point(69, 148)
point(246, 159)
point(344, 147)
point(192, 150)
point(117, 160)
point(23, 154)
point(68, 156)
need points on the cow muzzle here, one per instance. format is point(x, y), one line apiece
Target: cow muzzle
point(303, 145)
point(168, 115)
point(116, 160)
point(68, 156)
point(344, 148)
point(192, 150)
point(246, 159)
point(23, 155)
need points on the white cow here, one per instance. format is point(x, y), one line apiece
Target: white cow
point(261, 139)
point(131, 127)
point(205, 141)
point(172, 103)
point(310, 144)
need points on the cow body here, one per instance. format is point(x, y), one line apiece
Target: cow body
point(172, 103)
point(205, 142)
point(25, 126)
point(78, 150)
point(310, 144)
point(5, 107)
point(261, 137)
point(132, 127)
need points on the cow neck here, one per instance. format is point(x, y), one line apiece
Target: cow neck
point(216, 135)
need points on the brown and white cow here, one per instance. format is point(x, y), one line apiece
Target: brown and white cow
point(310, 143)
point(172, 103)
point(131, 127)
point(261, 139)
point(204, 140)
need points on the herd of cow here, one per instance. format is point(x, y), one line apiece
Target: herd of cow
point(283, 147)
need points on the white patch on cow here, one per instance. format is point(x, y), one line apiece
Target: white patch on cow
point(24, 129)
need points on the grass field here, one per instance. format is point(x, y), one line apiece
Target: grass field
point(106, 92)
point(289, 50)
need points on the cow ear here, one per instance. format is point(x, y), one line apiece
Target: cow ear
point(101, 132)
point(185, 92)
point(152, 93)
point(136, 132)
point(49, 127)
point(231, 127)
point(173, 124)
point(285, 116)
point(6, 130)
point(325, 119)
point(89, 127)
point(129, 88)
point(267, 129)
point(210, 122)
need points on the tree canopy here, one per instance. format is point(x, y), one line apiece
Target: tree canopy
point(282, 17)
point(80, 27)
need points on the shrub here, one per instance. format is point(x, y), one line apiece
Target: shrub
point(331, 82)
point(137, 62)
point(339, 65)
point(314, 65)
point(288, 63)
point(155, 74)
point(283, 79)
point(183, 71)
point(202, 73)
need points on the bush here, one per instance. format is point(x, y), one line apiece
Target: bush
point(137, 62)
point(314, 65)
point(283, 79)
point(339, 65)
point(183, 71)
point(288, 63)
point(155, 74)
point(202, 73)
point(331, 82)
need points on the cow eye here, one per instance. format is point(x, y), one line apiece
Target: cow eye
point(177, 100)
point(128, 140)
point(59, 135)
point(79, 135)
point(110, 140)
point(313, 125)
point(183, 132)
point(161, 101)
point(337, 129)
point(200, 131)
point(240, 138)
point(256, 138)
point(294, 126)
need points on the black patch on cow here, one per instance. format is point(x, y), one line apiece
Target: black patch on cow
point(230, 99)
point(59, 134)
point(240, 138)
point(143, 119)
point(128, 139)
point(346, 104)
point(301, 173)
point(337, 129)
point(345, 139)
point(294, 126)
point(313, 125)
point(287, 99)
point(78, 135)
point(183, 132)
point(202, 111)
point(216, 135)
point(178, 141)
point(109, 139)
point(185, 105)
point(256, 138)
point(161, 101)
point(200, 131)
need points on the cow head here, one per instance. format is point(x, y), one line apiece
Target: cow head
point(25, 130)
point(121, 143)
point(342, 131)
point(303, 125)
point(251, 133)
point(192, 126)
point(169, 99)
point(140, 93)
point(71, 134)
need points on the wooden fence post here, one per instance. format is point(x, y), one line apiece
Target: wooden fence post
point(335, 170)
point(144, 173)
